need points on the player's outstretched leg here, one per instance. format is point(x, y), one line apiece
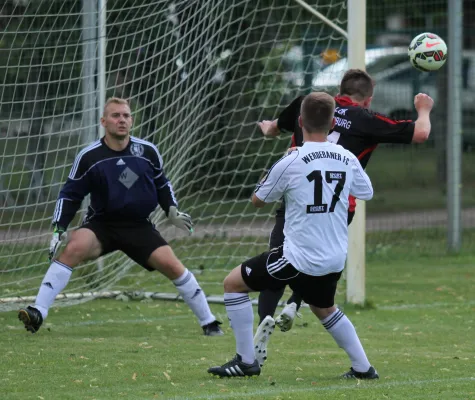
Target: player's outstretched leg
point(236, 368)
point(261, 339)
point(164, 260)
point(83, 245)
point(194, 296)
point(269, 299)
point(286, 318)
point(241, 317)
point(343, 332)
point(268, 302)
point(54, 282)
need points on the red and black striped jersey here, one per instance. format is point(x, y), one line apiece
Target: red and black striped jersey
point(356, 129)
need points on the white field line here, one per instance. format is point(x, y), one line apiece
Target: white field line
point(317, 388)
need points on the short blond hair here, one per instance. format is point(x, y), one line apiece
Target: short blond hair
point(317, 111)
point(115, 100)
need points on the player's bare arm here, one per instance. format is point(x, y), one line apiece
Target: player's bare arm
point(257, 202)
point(423, 104)
point(269, 128)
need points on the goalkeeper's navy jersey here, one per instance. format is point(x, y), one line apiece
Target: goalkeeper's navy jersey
point(125, 185)
point(356, 129)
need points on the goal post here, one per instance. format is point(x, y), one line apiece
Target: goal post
point(356, 39)
point(356, 261)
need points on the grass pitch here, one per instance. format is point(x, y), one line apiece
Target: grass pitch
point(418, 331)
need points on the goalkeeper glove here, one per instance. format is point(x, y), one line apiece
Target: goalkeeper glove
point(55, 241)
point(180, 220)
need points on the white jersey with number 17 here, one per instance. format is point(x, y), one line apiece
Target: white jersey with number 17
point(316, 180)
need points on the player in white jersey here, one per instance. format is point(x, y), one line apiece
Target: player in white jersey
point(315, 181)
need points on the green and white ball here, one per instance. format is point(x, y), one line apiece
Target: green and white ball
point(427, 52)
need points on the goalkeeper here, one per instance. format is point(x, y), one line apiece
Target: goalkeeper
point(358, 130)
point(125, 179)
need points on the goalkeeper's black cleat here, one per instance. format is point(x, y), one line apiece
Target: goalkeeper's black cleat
point(352, 374)
point(31, 318)
point(213, 329)
point(236, 368)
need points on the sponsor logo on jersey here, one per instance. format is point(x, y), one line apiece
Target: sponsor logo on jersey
point(128, 177)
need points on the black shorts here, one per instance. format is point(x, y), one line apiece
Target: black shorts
point(271, 271)
point(137, 239)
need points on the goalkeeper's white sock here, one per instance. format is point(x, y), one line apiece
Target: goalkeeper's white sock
point(55, 280)
point(194, 296)
point(241, 317)
point(344, 333)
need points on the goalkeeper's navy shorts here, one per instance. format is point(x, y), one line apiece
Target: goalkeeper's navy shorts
point(137, 239)
point(271, 271)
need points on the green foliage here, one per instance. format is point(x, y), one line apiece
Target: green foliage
point(41, 59)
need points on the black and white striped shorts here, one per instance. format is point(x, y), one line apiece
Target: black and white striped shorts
point(272, 271)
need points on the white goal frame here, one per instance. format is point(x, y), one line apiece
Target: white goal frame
point(356, 261)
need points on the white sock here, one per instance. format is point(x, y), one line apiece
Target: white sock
point(194, 296)
point(241, 317)
point(344, 333)
point(55, 280)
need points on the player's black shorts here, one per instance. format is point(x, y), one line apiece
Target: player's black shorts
point(272, 271)
point(137, 239)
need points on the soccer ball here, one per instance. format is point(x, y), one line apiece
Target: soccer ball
point(427, 52)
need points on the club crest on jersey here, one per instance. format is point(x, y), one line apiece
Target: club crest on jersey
point(137, 149)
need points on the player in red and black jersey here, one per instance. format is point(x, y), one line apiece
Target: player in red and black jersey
point(358, 130)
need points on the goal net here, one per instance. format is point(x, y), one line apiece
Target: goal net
point(199, 76)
